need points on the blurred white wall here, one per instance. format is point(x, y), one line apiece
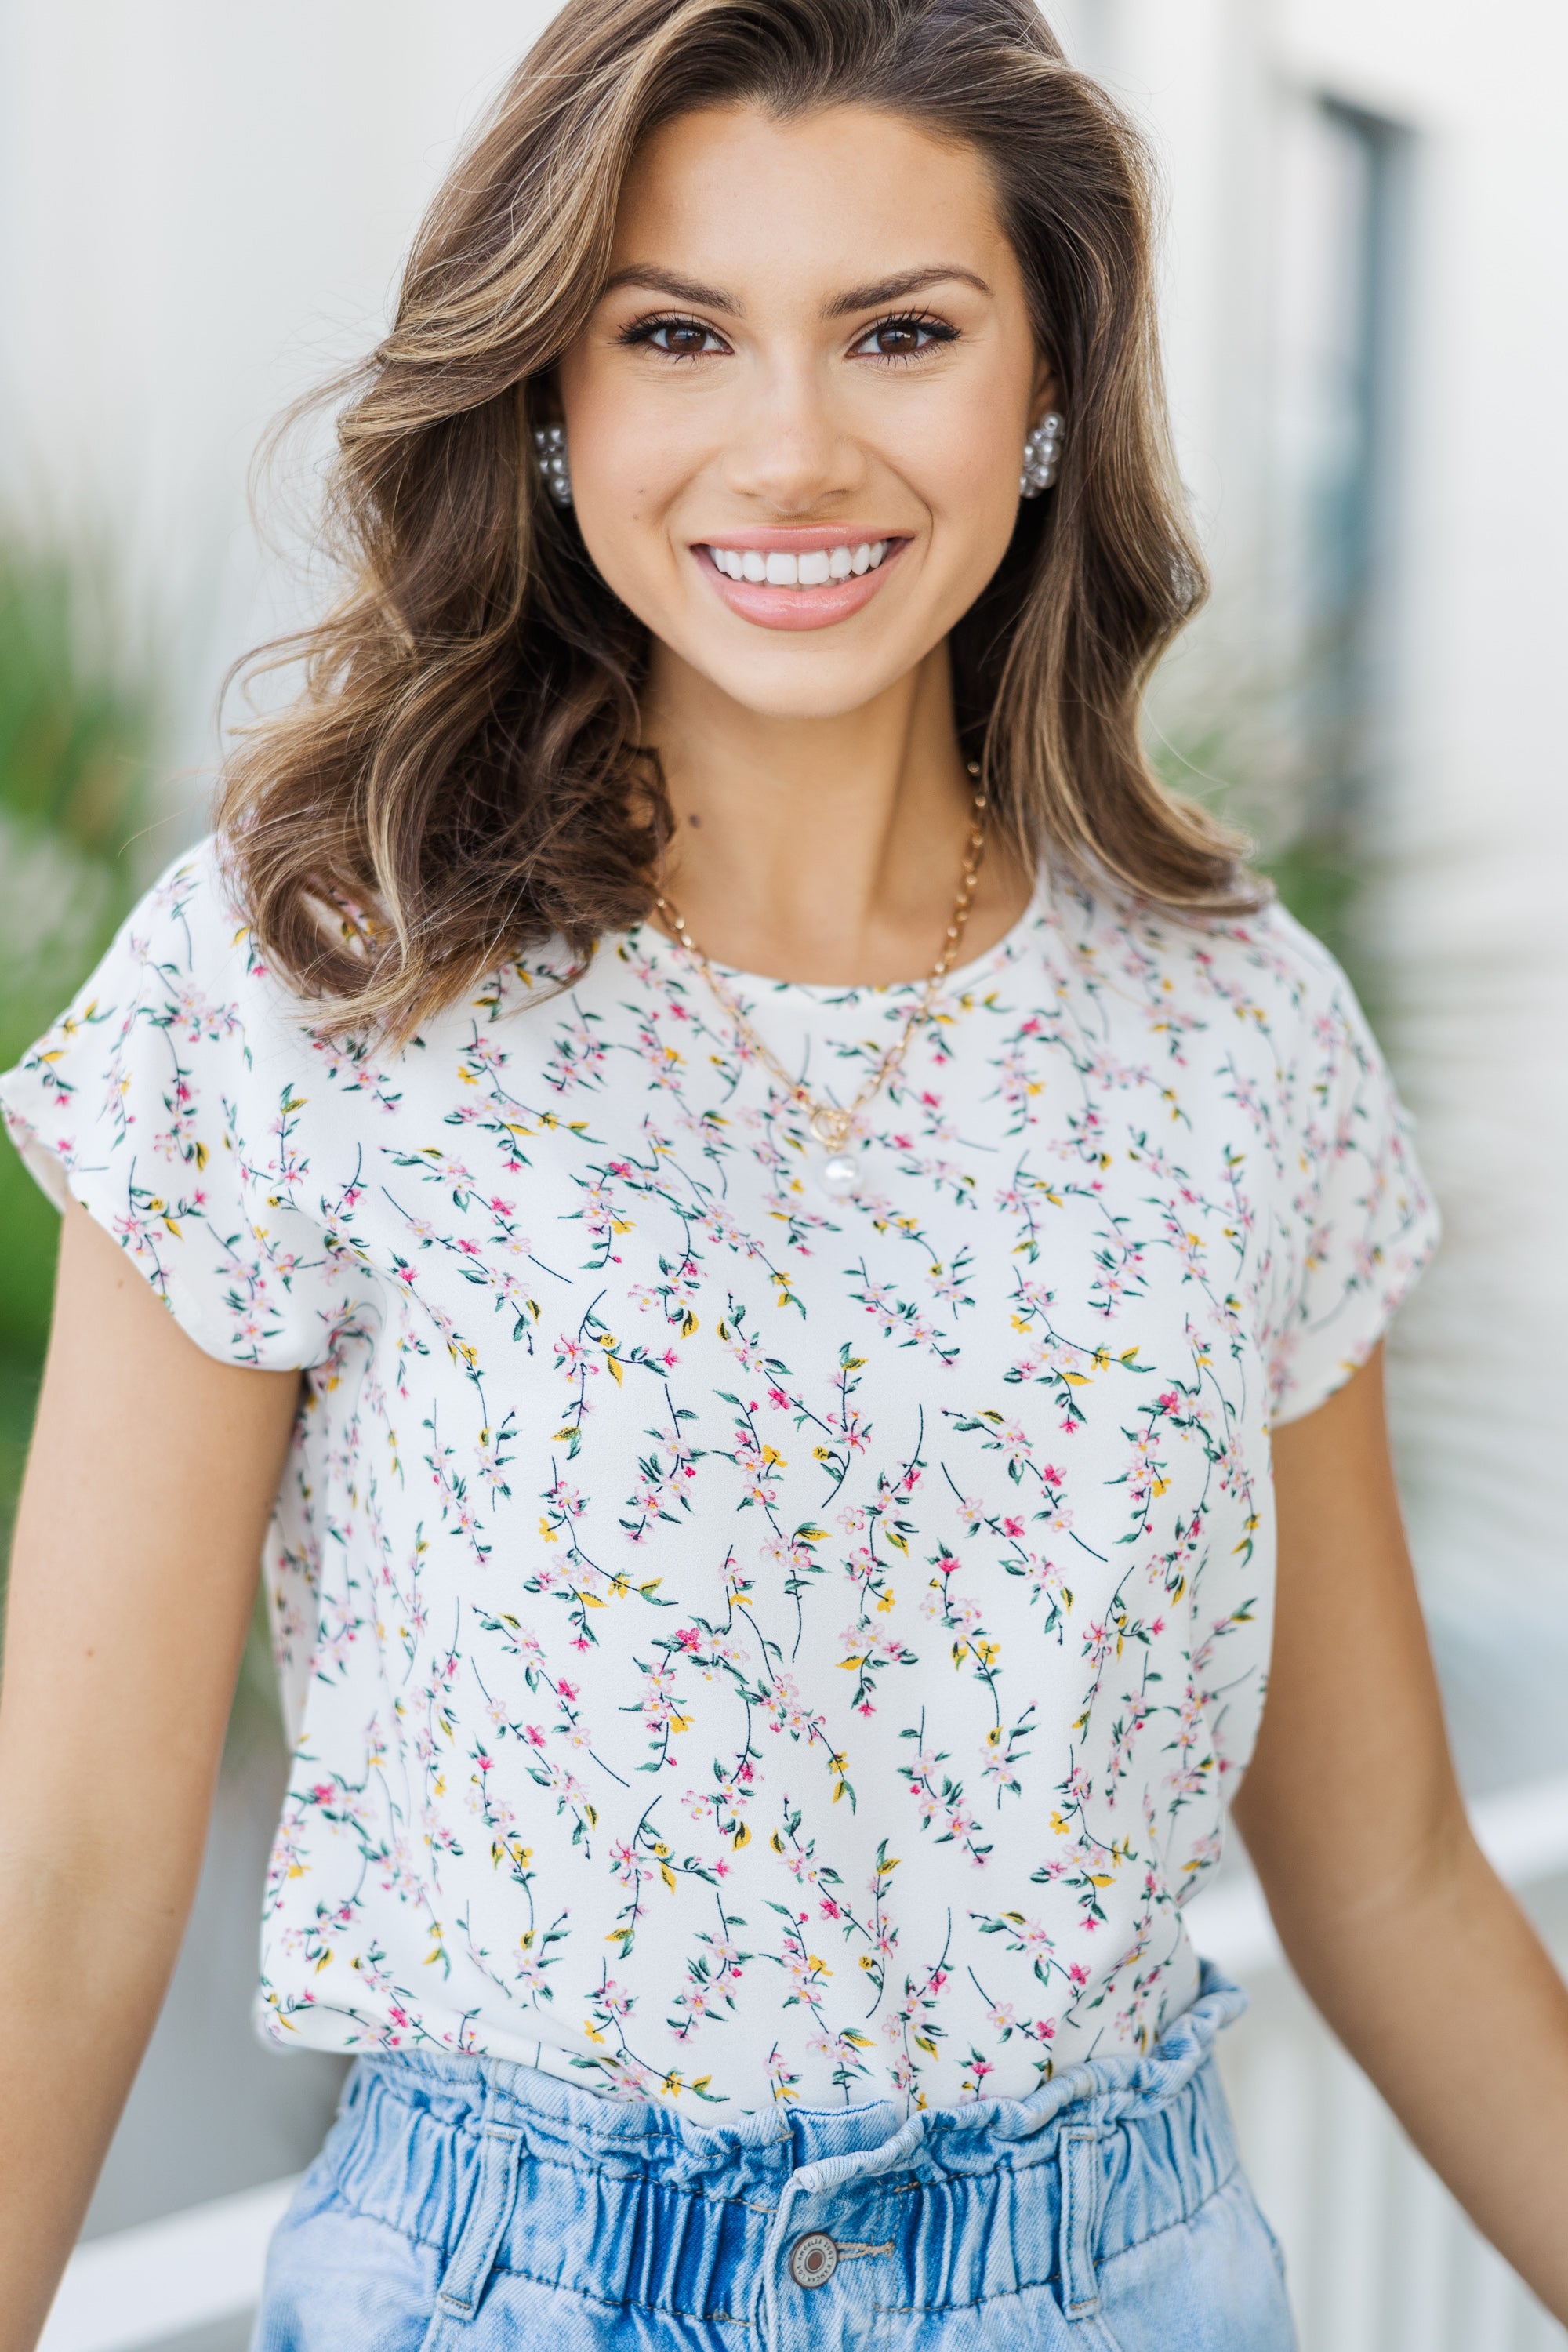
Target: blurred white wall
point(202, 209)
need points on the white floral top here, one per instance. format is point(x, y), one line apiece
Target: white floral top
point(745, 1643)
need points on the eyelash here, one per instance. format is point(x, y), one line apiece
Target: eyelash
point(937, 331)
point(643, 330)
point(923, 323)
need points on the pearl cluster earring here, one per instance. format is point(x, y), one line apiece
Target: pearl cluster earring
point(550, 444)
point(1041, 452)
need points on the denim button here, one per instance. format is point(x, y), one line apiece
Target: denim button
point(813, 2259)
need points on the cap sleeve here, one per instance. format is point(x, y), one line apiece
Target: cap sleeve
point(163, 1100)
point(1364, 1222)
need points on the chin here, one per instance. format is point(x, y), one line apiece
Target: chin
point(782, 701)
point(815, 686)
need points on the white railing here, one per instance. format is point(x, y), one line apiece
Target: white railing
point(1379, 2257)
point(140, 2287)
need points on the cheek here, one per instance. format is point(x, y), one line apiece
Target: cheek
point(629, 466)
point(965, 462)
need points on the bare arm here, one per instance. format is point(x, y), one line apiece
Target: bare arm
point(152, 1475)
point(1415, 1953)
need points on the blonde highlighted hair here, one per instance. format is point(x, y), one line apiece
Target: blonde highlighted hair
point(464, 761)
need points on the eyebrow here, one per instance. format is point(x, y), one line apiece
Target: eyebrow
point(680, 290)
point(856, 298)
point(896, 290)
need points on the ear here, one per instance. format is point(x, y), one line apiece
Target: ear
point(1043, 393)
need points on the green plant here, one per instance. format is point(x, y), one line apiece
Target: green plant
point(1225, 732)
point(78, 720)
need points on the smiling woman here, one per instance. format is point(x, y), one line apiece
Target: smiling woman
point(776, 1450)
point(794, 279)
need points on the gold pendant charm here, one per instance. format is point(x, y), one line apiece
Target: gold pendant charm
point(830, 1127)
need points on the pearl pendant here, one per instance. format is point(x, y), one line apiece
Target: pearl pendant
point(840, 1175)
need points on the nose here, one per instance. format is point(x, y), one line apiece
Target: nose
point(788, 450)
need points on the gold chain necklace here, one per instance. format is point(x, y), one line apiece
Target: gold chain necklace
point(831, 1125)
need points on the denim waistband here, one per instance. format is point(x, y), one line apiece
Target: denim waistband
point(629, 2200)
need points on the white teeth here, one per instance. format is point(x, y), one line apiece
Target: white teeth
point(812, 569)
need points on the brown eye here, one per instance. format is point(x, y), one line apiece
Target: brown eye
point(912, 338)
point(683, 338)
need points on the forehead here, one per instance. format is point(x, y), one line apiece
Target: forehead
point(734, 194)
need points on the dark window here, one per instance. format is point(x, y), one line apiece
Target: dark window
point(1340, 302)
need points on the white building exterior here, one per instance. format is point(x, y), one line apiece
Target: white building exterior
point(202, 211)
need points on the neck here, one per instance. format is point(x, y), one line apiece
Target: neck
point(822, 849)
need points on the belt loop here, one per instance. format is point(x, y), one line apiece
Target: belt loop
point(1079, 2161)
point(355, 2089)
point(467, 2272)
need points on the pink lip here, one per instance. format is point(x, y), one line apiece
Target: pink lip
point(798, 608)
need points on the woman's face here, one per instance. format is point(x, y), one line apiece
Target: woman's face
point(812, 367)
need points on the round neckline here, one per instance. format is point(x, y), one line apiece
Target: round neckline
point(662, 948)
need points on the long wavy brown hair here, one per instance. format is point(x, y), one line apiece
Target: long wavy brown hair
point(464, 764)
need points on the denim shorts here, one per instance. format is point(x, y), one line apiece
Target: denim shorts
point(471, 2205)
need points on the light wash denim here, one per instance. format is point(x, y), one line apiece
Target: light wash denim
point(469, 2205)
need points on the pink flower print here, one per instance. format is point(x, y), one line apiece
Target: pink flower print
point(1267, 1161)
